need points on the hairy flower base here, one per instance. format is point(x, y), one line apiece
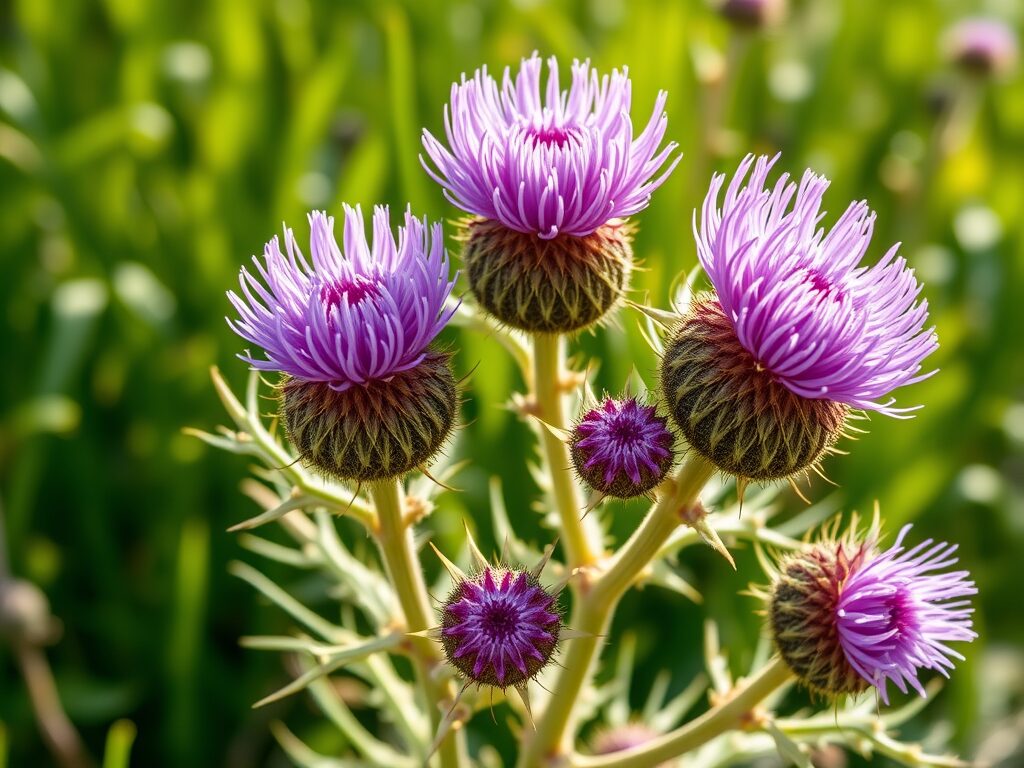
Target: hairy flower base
point(732, 411)
point(374, 431)
point(801, 614)
point(547, 286)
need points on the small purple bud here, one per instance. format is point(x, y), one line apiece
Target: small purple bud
point(622, 448)
point(500, 627)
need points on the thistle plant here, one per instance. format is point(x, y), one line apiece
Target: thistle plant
point(799, 334)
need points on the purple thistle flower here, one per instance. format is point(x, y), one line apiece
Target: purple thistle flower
point(358, 314)
point(622, 448)
point(500, 627)
point(798, 299)
point(548, 162)
point(982, 45)
point(895, 615)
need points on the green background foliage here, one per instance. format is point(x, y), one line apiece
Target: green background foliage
point(148, 147)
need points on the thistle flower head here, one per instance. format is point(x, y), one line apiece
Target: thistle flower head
point(622, 448)
point(846, 616)
point(356, 314)
point(760, 375)
point(984, 46)
point(800, 303)
point(363, 398)
point(500, 626)
point(545, 161)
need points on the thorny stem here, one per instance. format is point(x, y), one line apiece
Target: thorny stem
point(714, 722)
point(581, 538)
point(394, 538)
point(596, 604)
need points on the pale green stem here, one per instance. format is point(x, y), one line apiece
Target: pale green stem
point(699, 731)
point(596, 603)
point(394, 538)
point(581, 538)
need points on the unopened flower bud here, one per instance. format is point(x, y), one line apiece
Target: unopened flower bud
point(622, 448)
point(500, 627)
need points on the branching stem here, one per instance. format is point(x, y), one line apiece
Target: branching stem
point(394, 538)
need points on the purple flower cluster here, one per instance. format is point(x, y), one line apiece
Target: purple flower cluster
point(355, 315)
point(896, 614)
point(799, 301)
point(500, 627)
point(548, 162)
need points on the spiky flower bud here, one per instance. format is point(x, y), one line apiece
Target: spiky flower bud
point(500, 627)
point(550, 174)
point(622, 448)
point(363, 397)
point(760, 375)
point(982, 46)
point(845, 616)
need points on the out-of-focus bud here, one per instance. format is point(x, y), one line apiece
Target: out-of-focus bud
point(982, 46)
point(25, 613)
point(753, 14)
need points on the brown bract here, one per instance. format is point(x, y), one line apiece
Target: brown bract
point(373, 431)
point(547, 286)
point(734, 412)
point(802, 615)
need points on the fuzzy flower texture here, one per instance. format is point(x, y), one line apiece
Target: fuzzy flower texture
point(846, 616)
point(798, 299)
point(897, 614)
point(351, 316)
point(549, 161)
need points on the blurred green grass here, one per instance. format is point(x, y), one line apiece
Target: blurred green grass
point(147, 148)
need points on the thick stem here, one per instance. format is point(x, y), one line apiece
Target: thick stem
point(394, 538)
point(703, 729)
point(581, 538)
point(596, 604)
